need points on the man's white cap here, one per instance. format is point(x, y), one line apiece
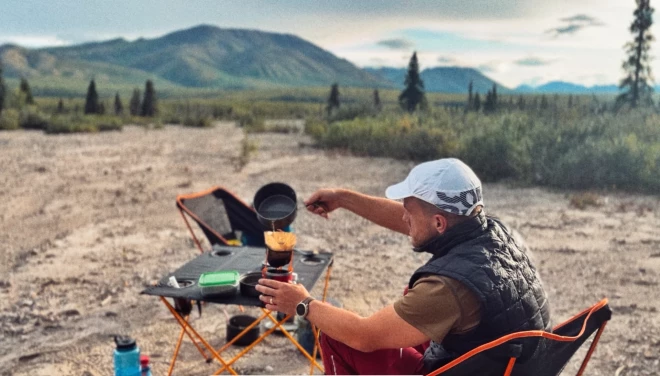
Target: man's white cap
point(448, 183)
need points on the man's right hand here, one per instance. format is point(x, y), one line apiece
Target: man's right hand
point(324, 201)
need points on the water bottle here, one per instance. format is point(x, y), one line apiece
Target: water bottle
point(126, 357)
point(145, 369)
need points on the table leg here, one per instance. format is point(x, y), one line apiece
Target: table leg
point(250, 346)
point(184, 324)
point(294, 341)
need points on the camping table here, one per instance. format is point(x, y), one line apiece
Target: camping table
point(309, 269)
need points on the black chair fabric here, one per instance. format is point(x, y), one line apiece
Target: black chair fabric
point(549, 358)
point(220, 215)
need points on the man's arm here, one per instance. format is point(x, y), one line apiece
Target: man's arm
point(381, 211)
point(382, 330)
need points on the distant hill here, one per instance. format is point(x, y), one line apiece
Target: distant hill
point(561, 87)
point(203, 56)
point(441, 79)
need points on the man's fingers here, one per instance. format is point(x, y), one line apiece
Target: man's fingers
point(265, 290)
point(270, 283)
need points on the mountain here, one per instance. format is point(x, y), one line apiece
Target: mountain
point(561, 87)
point(441, 79)
point(202, 56)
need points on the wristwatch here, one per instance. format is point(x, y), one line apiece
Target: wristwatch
point(302, 309)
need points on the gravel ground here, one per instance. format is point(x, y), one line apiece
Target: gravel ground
point(88, 220)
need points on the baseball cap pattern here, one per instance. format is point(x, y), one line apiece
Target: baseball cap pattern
point(463, 204)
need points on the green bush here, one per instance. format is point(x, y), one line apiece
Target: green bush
point(9, 119)
point(32, 118)
point(108, 123)
point(199, 122)
point(69, 124)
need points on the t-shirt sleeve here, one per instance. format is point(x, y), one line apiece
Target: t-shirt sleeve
point(431, 307)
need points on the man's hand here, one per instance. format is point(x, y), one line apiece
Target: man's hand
point(281, 296)
point(324, 201)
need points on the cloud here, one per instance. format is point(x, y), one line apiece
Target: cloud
point(447, 60)
point(490, 67)
point(574, 24)
point(397, 44)
point(33, 41)
point(582, 18)
point(532, 62)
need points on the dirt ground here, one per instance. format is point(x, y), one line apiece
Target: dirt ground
point(88, 220)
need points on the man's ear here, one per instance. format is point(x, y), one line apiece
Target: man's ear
point(440, 223)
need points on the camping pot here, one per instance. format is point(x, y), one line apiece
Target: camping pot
point(276, 205)
point(239, 323)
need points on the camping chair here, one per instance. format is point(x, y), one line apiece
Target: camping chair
point(220, 215)
point(552, 352)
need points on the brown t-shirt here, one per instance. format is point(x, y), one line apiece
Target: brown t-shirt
point(437, 306)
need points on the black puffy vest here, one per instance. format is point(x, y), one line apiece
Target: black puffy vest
point(482, 254)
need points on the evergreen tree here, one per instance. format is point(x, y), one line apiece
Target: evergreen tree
point(570, 101)
point(101, 109)
point(477, 102)
point(60, 106)
point(494, 98)
point(377, 105)
point(119, 107)
point(638, 80)
point(413, 95)
point(135, 103)
point(544, 102)
point(469, 105)
point(488, 103)
point(3, 90)
point(521, 103)
point(149, 102)
point(24, 87)
point(92, 100)
point(333, 99)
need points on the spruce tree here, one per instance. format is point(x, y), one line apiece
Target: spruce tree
point(544, 103)
point(135, 103)
point(521, 103)
point(333, 99)
point(638, 80)
point(60, 106)
point(377, 105)
point(413, 95)
point(149, 102)
point(119, 107)
point(477, 102)
point(3, 90)
point(488, 103)
point(24, 87)
point(470, 99)
point(570, 101)
point(92, 100)
point(495, 104)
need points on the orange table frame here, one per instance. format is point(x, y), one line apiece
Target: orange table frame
point(201, 344)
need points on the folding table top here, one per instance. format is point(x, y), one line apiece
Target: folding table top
point(242, 259)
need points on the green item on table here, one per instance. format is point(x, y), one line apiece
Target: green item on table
point(219, 283)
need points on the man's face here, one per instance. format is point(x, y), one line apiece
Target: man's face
point(421, 224)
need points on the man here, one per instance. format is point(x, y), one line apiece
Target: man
point(478, 285)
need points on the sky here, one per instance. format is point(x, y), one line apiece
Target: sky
point(514, 42)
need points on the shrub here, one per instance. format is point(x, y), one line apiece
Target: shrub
point(68, 124)
point(9, 119)
point(32, 118)
point(199, 122)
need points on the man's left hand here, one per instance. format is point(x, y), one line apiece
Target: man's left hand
point(281, 296)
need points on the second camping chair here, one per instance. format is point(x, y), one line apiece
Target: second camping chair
point(221, 216)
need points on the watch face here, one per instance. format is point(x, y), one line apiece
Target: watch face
point(300, 309)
